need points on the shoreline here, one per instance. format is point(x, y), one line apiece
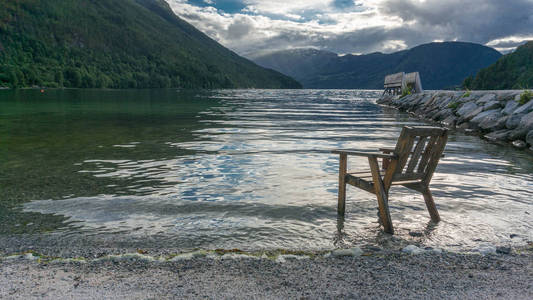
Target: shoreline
point(378, 274)
point(498, 116)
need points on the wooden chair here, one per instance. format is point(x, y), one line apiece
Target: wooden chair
point(411, 164)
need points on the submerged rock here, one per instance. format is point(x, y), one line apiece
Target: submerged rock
point(413, 250)
point(500, 135)
point(519, 144)
point(356, 251)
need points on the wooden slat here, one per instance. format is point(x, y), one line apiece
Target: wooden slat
point(404, 153)
point(360, 183)
point(361, 153)
point(435, 156)
point(382, 195)
point(408, 176)
point(415, 157)
point(425, 131)
point(427, 153)
point(343, 162)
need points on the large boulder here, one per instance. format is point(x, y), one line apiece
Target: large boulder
point(524, 109)
point(493, 122)
point(525, 125)
point(510, 107)
point(513, 121)
point(486, 98)
point(491, 105)
point(500, 135)
point(486, 115)
point(526, 122)
point(529, 138)
point(467, 108)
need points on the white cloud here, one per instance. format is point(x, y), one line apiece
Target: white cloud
point(361, 26)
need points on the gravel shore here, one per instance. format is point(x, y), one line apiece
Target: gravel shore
point(377, 274)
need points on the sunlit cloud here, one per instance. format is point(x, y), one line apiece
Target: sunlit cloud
point(357, 26)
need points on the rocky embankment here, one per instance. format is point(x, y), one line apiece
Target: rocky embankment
point(499, 116)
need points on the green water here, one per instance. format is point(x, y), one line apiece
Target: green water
point(248, 169)
point(45, 136)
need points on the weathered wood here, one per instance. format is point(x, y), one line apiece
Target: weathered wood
point(412, 81)
point(430, 204)
point(435, 156)
point(367, 154)
point(427, 153)
point(343, 163)
point(360, 183)
point(382, 195)
point(394, 80)
point(408, 176)
point(416, 154)
point(424, 155)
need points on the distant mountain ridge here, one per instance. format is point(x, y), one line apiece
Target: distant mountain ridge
point(117, 44)
point(511, 71)
point(441, 65)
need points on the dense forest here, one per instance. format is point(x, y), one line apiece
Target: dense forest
point(116, 44)
point(512, 71)
point(441, 65)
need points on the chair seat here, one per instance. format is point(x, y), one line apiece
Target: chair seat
point(365, 181)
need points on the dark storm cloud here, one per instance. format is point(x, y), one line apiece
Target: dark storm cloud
point(474, 20)
point(362, 26)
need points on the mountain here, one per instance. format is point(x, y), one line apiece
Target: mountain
point(441, 65)
point(511, 71)
point(117, 44)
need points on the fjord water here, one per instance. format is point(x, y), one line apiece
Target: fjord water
point(248, 169)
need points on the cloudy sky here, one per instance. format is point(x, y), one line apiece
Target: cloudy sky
point(357, 26)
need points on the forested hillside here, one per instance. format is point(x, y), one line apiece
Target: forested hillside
point(116, 44)
point(512, 71)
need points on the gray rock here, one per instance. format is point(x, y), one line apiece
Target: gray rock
point(443, 114)
point(529, 138)
point(524, 109)
point(500, 135)
point(510, 107)
point(356, 251)
point(473, 114)
point(493, 122)
point(513, 121)
point(517, 134)
point(526, 122)
point(486, 98)
point(487, 115)
point(519, 144)
point(450, 121)
point(467, 108)
point(491, 105)
point(503, 250)
point(413, 250)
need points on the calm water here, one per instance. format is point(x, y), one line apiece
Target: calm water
point(247, 169)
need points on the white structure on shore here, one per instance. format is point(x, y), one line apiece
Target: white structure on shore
point(396, 84)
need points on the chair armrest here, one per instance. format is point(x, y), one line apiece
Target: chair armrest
point(367, 154)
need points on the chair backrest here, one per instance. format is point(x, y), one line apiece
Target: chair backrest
point(419, 149)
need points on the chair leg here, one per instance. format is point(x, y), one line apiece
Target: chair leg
point(382, 195)
point(343, 161)
point(430, 204)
